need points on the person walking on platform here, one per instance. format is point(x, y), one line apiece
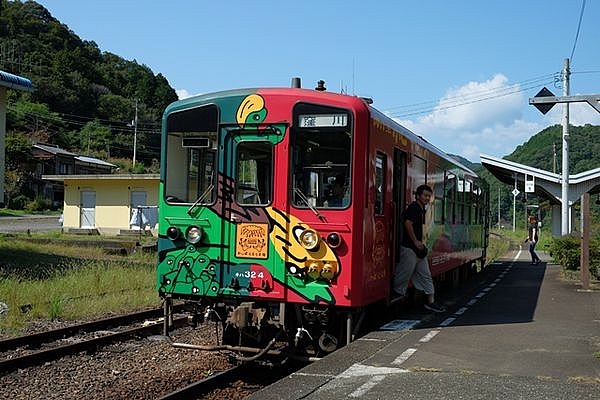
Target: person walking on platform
point(532, 237)
point(413, 264)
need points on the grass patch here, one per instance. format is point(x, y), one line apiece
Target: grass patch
point(67, 281)
point(503, 240)
point(498, 245)
point(6, 212)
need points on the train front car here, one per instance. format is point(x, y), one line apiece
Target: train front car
point(255, 214)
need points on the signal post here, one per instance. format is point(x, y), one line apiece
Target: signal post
point(544, 101)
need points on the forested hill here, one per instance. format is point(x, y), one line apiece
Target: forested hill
point(538, 152)
point(544, 151)
point(84, 98)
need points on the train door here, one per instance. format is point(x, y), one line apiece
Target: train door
point(251, 266)
point(399, 198)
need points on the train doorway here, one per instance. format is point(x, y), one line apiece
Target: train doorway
point(399, 197)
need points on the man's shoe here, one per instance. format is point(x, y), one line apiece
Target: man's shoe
point(435, 307)
point(537, 262)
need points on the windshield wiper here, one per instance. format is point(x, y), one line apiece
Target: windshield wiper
point(201, 198)
point(303, 197)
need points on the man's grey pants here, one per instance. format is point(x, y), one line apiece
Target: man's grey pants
point(412, 268)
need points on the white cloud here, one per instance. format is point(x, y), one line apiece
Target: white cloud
point(478, 117)
point(476, 104)
point(471, 152)
point(579, 114)
point(183, 94)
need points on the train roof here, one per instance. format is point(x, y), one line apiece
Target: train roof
point(315, 95)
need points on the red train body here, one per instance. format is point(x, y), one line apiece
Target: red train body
point(279, 213)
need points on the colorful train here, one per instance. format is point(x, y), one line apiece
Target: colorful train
point(279, 213)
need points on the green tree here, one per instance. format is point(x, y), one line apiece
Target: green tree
point(34, 119)
point(79, 82)
point(19, 164)
point(94, 137)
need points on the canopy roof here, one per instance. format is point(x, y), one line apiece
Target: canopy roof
point(547, 184)
point(15, 82)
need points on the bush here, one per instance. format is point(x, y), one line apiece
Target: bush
point(39, 204)
point(566, 251)
point(19, 202)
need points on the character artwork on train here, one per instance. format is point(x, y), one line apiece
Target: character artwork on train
point(279, 213)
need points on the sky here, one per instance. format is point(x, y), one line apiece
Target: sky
point(459, 73)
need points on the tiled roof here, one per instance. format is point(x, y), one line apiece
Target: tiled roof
point(53, 149)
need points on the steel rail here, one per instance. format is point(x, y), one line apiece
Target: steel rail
point(39, 357)
point(206, 385)
point(37, 339)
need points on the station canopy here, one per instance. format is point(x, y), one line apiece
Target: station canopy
point(547, 185)
point(15, 82)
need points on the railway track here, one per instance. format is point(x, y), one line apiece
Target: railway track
point(204, 386)
point(236, 382)
point(83, 337)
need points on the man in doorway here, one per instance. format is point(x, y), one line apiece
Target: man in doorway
point(413, 264)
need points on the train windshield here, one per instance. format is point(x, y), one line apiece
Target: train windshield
point(321, 156)
point(191, 155)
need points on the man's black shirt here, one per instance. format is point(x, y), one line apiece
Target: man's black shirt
point(415, 214)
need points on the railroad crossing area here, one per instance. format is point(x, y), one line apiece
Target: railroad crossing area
point(517, 331)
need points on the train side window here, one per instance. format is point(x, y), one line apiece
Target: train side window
point(476, 208)
point(461, 201)
point(438, 196)
point(379, 182)
point(449, 197)
point(468, 199)
point(419, 172)
point(254, 173)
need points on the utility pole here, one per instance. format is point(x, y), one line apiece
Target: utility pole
point(515, 193)
point(135, 123)
point(544, 101)
point(565, 226)
point(498, 207)
point(553, 158)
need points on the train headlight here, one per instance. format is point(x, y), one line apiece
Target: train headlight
point(329, 270)
point(193, 234)
point(309, 239)
point(173, 233)
point(314, 270)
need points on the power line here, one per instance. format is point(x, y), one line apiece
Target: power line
point(474, 97)
point(578, 28)
point(77, 120)
point(486, 92)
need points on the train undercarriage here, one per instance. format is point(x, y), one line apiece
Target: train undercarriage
point(253, 330)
